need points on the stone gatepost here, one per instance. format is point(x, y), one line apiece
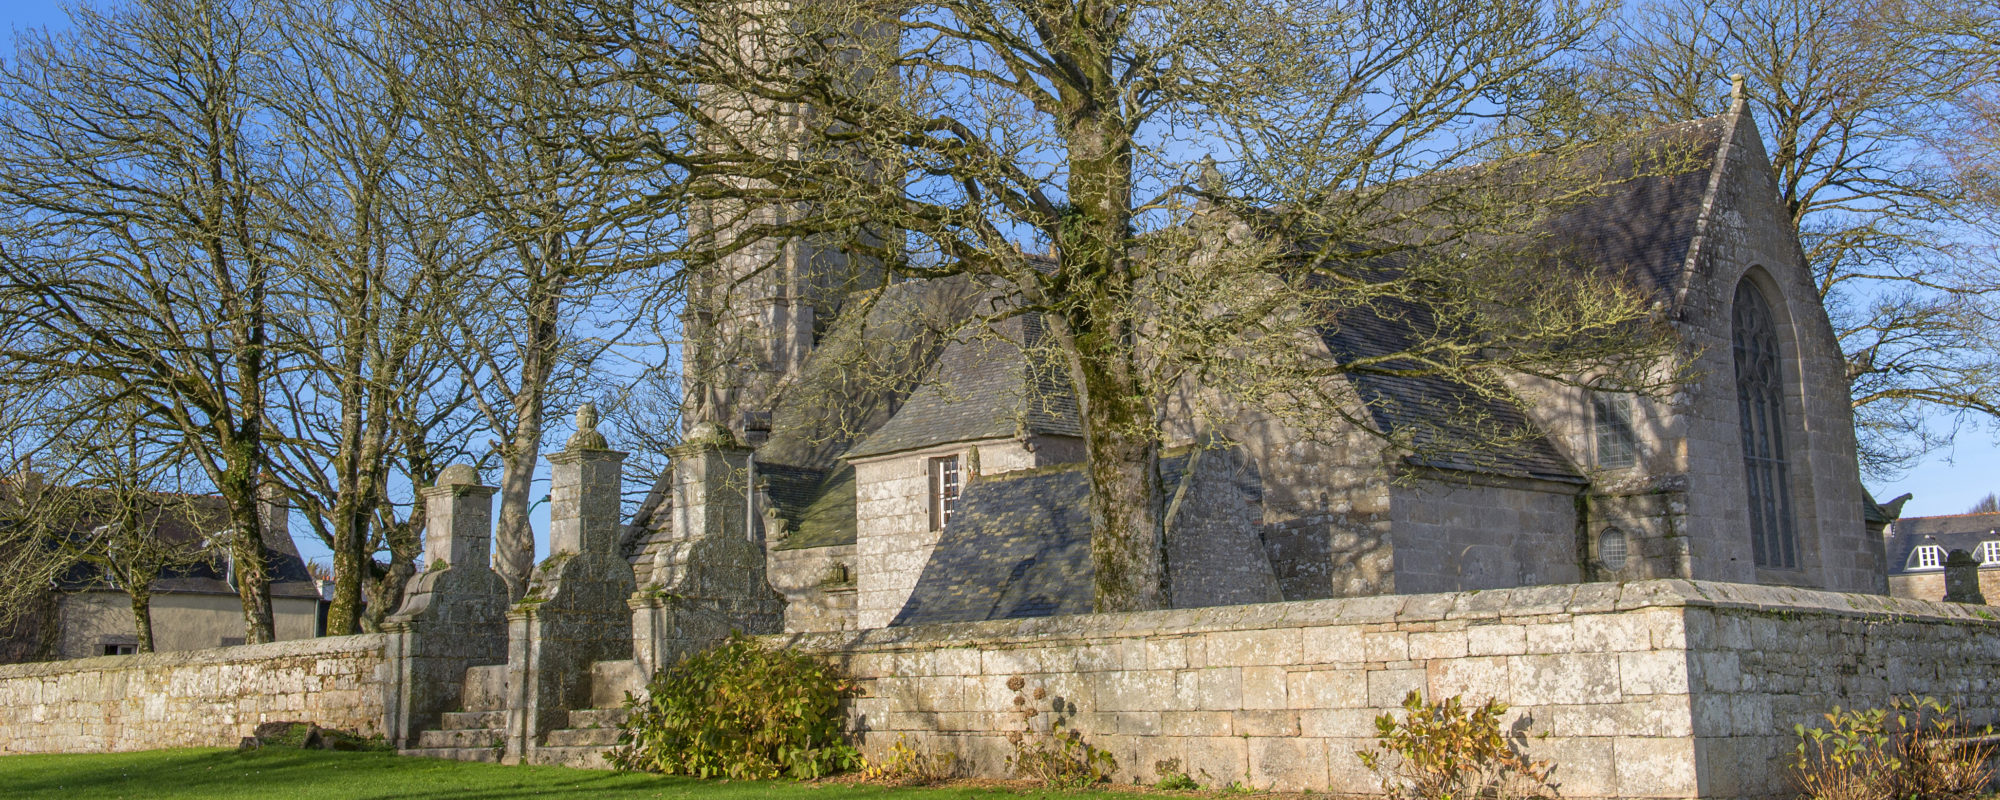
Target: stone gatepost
point(710, 577)
point(454, 615)
point(574, 612)
point(1961, 579)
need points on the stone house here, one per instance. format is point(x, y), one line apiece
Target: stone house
point(1918, 547)
point(85, 613)
point(948, 485)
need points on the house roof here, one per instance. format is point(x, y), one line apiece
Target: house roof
point(1019, 545)
point(1953, 532)
point(189, 520)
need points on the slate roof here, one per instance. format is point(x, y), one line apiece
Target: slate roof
point(820, 514)
point(1441, 417)
point(190, 522)
point(994, 384)
point(1643, 227)
point(1954, 532)
point(1019, 546)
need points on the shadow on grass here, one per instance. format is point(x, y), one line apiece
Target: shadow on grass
point(317, 775)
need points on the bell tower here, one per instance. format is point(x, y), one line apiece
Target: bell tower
point(781, 269)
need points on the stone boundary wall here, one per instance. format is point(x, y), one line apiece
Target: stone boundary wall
point(1666, 688)
point(192, 698)
point(1762, 659)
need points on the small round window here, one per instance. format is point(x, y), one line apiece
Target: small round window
point(1611, 548)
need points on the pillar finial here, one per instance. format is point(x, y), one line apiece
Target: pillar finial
point(1739, 90)
point(586, 436)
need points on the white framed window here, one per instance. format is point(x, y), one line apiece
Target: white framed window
point(1927, 556)
point(1988, 553)
point(945, 484)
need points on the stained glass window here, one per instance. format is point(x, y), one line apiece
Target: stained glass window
point(1760, 402)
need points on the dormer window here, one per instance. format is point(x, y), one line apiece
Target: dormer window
point(1988, 553)
point(1928, 556)
point(945, 485)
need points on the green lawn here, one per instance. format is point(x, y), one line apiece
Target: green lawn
point(283, 774)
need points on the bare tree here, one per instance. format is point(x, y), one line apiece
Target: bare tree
point(366, 371)
point(135, 252)
point(970, 137)
point(553, 238)
point(1854, 99)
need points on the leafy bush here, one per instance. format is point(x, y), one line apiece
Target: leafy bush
point(1058, 758)
point(911, 765)
point(743, 711)
point(1905, 751)
point(1443, 751)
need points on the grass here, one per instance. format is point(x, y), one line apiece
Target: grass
point(323, 775)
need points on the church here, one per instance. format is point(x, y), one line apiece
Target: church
point(954, 490)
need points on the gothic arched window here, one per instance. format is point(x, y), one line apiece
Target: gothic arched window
point(1760, 399)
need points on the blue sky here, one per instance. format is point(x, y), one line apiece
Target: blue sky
point(1946, 482)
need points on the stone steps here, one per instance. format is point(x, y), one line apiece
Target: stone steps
point(485, 754)
point(473, 720)
point(582, 757)
point(581, 737)
point(458, 739)
point(598, 717)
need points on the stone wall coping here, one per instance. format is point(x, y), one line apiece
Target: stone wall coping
point(1494, 604)
point(244, 653)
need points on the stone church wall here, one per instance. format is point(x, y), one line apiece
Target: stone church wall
point(196, 698)
point(1747, 234)
point(1667, 689)
point(1446, 534)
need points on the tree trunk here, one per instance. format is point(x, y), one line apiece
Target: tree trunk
point(246, 550)
point(1126, 551)
point(350, 557)
point(514, 539)
point(142, 616)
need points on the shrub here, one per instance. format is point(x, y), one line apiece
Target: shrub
point(1906, 751)
point(1056, 757)
point(1443, 751)
point(911, 765)
point(1060, 759)
point(743, 711)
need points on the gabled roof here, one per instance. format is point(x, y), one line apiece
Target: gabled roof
point(1953, 532)
point(189, 520)
point(987, 384)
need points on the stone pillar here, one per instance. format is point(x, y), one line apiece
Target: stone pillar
point(1961, 579)
point(710, 577)
point(454, 615)
point(574, 613)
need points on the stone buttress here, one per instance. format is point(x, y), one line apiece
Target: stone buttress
point(710, 578)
